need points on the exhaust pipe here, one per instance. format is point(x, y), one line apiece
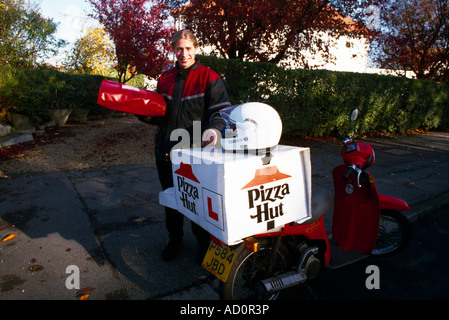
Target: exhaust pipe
point(283, 281)
point(309, 267)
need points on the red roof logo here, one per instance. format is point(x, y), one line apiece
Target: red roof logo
point(186, 171)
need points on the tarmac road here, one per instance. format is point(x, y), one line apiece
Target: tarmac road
point(107, 223)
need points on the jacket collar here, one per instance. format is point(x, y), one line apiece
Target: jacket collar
point(186, 71)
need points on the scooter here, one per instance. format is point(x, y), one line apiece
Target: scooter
point(363, 221)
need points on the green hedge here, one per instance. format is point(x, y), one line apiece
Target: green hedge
point(34, 91)
point(318, 102)
point(310, 102)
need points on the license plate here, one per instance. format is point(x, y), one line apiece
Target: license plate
point(218, 260)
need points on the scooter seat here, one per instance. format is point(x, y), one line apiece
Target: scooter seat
point(322, 200)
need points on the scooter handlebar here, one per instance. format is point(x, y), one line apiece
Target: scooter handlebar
point(351, 169)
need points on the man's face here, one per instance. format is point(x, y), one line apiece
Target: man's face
point(185, 53)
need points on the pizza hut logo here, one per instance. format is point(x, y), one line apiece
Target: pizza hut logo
point(266, 195)
point(188, 191)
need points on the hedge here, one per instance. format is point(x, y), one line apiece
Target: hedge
point(310, 102)
point(34, 91)
point(318, 102)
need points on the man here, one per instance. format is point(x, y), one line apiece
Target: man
point(192, 92)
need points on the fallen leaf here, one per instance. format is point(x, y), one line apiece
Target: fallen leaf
point(84, 291)
point(202, 279)
point(9, 237)
point(35, 268)
point(85, 296)
point(139, 220)
point(3, 175)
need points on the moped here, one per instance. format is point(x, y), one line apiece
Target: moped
point(363, 221)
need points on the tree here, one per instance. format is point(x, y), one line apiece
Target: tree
point(25, 35)
point(415, 37)
point(271, 30)
point(93, 53)
point(139, 33)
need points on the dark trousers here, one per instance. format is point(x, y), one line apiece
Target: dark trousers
point(174, 220)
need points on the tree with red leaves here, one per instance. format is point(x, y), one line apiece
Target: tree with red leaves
point(271, 30)
point(415, 37)
point(140, 33)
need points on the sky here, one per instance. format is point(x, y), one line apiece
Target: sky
point(72, 16)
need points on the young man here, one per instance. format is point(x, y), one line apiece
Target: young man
point(192, 92)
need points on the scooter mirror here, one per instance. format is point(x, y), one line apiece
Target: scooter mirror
point(354, 114)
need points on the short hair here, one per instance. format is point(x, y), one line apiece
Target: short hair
point(183, 34)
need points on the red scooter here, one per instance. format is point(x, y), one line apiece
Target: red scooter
point(363, 221)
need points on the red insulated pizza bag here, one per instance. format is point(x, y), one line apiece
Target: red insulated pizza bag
point(120, 97)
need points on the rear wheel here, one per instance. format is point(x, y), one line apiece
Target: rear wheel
point(250, 268)
point(394, 234)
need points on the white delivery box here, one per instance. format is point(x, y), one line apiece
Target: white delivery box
point(236, 195)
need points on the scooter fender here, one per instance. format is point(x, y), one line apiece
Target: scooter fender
point(356, 216)
point(391, 203)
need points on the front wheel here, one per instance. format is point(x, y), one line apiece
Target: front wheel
point(250, 268)
point(394, 234)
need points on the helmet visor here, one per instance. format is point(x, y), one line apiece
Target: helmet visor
point(230, 117)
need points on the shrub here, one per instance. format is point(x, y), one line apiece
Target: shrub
point(318, 102)
point(34, 91)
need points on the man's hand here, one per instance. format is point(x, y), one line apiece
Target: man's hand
point(209, 138)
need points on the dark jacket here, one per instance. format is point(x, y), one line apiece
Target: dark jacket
point(194, 94)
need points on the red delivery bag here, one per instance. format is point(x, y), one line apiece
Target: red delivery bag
point(118, 96)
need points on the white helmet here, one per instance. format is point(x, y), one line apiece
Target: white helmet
point(250, 126)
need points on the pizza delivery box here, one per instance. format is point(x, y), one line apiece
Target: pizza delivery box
point(236, 195)
point(121, 97)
